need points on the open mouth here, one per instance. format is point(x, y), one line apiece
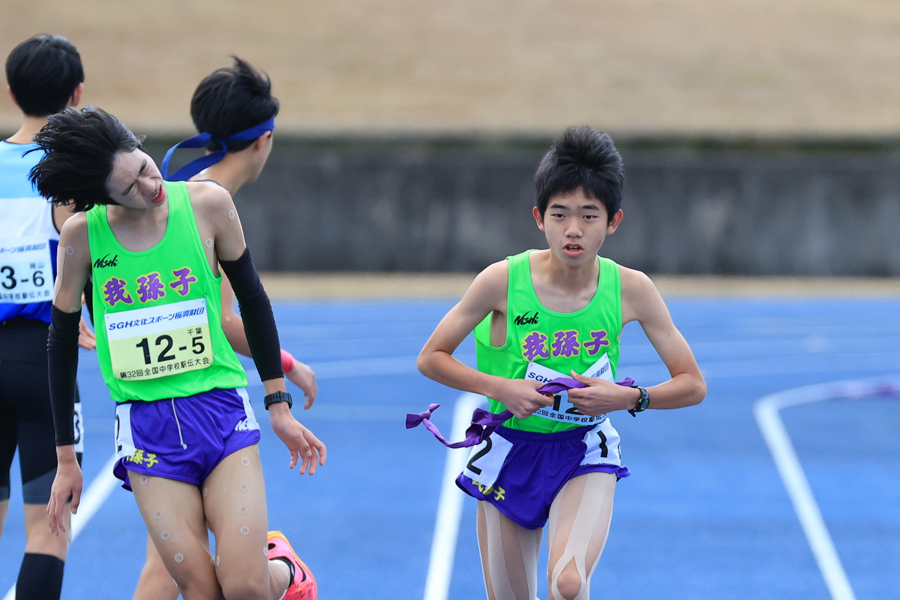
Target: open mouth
point(160, 196)
point(573, 249)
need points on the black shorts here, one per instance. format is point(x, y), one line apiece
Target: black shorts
point(26, 418)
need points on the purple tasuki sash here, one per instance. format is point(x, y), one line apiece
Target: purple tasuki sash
point(483, 422)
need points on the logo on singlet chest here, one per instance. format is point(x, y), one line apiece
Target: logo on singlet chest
point(106, 261)
point(527, 319)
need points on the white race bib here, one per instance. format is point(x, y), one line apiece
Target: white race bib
point(124, 437)
point(26, 273)
point(79, 428)
point(486, 460)
point(146, 343)
point(563, 410)
point(603, 445)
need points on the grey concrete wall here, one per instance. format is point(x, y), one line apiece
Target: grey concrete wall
point(457, 205)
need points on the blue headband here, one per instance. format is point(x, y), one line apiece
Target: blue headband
point(208, 160)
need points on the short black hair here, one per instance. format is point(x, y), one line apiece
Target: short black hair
point(230, 100)
point(583, 158)
point(43, 73)
point(80, 148)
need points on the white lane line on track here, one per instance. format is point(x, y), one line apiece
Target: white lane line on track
point(91, 501)
point(766, 412)
point(450, 505)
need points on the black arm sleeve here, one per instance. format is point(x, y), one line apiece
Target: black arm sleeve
point(62, 358)
point(256, 312)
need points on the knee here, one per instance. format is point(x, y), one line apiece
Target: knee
point(39, 541)
point(569, 584)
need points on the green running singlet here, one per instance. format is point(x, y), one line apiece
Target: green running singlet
point(157, 313)
point(542, 344)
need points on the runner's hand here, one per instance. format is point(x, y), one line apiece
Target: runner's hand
point(304, 378)
point(86, 338)
point(304, 446)
point(67, 483)
point(600, 396)
point(521, 398)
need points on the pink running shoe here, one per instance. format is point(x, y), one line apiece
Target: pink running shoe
point(303, 585)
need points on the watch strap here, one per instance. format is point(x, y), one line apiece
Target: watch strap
point(277, 397)
point(643, 402)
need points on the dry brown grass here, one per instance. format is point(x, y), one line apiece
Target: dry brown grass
point(765, 67)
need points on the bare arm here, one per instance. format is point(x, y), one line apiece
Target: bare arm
point(486, 294)
point(73, 265)
point(86, 339)
point(642, 302)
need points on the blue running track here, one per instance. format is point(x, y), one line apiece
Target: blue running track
point(705, 515)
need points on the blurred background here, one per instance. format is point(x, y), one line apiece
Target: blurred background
point(759, 138)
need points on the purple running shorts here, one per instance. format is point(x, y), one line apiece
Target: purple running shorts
point(521, 472)
point(182, 438)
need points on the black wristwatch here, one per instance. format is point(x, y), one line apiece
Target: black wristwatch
point(278, 397)
point(643, 402)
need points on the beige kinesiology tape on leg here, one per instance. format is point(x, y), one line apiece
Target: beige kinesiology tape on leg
point(579, 525)
point(509, 555)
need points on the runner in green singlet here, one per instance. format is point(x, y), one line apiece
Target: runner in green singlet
point(548, 315)
point(186, 434)
point(226, 102)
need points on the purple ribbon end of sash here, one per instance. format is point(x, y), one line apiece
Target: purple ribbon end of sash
point(415, 419)
point(483, 422)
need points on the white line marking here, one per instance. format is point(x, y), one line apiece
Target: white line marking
point(450, 505)
point(766, 411)
point(91, 501)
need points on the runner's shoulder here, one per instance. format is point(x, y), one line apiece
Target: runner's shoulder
point(75, 228)
point(209, 200)
point(207, 193)
point(490, 286)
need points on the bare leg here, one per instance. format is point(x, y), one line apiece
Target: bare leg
point(173, 513)
point(234, 496)
point(40, 540)
point(155, 582)
point(509, 554)
point(578, 527)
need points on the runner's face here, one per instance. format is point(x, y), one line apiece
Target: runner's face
point(576, 225)
point(135, 181)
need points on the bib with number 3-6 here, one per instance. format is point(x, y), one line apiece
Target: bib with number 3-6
point(25, 270)
point(563, 410)
point(156, 341)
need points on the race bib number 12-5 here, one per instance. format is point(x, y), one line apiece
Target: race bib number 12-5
point(156, 341)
